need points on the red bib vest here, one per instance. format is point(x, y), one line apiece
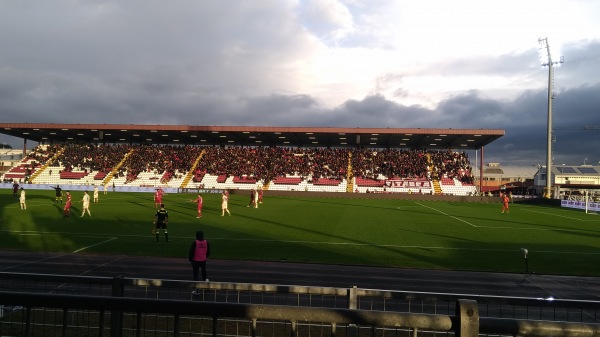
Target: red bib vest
point(200, 252)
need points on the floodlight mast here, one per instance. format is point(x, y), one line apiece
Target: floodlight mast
point(544, 44)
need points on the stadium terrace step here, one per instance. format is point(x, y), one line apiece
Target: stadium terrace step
point(369, 182)
point(328, 182)
point(72, 175)
point(287, 180)
point(100, 175)
point(244, 180)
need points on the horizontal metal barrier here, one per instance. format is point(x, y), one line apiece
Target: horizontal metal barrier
point(466, 323)
point(264, 306)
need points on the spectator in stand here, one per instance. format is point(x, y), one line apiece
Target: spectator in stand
point(261, 164)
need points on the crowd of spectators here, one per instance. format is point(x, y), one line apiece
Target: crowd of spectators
point(42, 153)
point(166, 160)
point(373, 163)
point(90, 157)
point(267, 163)
point(259, 163)
point(451, 164)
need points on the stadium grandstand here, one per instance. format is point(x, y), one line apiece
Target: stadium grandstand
point(364, 160)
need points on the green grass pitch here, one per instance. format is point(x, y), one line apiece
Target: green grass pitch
point(399, 233)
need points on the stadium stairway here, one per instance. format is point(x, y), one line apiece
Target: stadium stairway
point(437, 188)
point(350, 176)
point(115, 169)
point(45, 166)
point(191, 171)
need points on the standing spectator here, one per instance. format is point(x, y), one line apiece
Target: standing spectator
point(161, 220)
point(67, 208)
point(22, 199)
point(224, 202)
point(96, 193)
point(86, 204)
point(199, 202)
point(199, 252)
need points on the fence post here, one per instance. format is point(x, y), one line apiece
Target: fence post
point(353, 305)
point(467, 314)
point(116, 317)
point(352, 300)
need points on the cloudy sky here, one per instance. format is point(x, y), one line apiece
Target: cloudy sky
point(326, 63)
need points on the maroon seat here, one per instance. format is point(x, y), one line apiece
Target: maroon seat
point(327, 182)
point(287, 180)
point(244, 180)
point(72, 175)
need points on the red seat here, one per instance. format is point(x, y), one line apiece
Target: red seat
point(72, 175)
point(287, 180)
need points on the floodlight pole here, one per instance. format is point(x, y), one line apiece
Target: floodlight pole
point(544, 44)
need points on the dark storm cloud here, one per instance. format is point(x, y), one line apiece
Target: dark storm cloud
point(241, 63)
point(525, 122)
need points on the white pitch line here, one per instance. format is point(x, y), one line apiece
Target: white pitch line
point(97, 244)
point(322, 243)
point(556, 215)
point(446, 214)
point(399, 246)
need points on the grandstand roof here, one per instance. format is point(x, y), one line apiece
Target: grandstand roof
point(254, 135)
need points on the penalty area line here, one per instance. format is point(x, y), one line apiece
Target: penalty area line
point(556, 215)
point(448, 215)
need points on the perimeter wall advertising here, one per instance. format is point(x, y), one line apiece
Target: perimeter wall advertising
point(592, 206)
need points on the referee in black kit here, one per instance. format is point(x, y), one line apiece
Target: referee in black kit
point(161, 219)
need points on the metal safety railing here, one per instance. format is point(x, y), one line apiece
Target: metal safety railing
point(180, 318)
point(31, 304)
